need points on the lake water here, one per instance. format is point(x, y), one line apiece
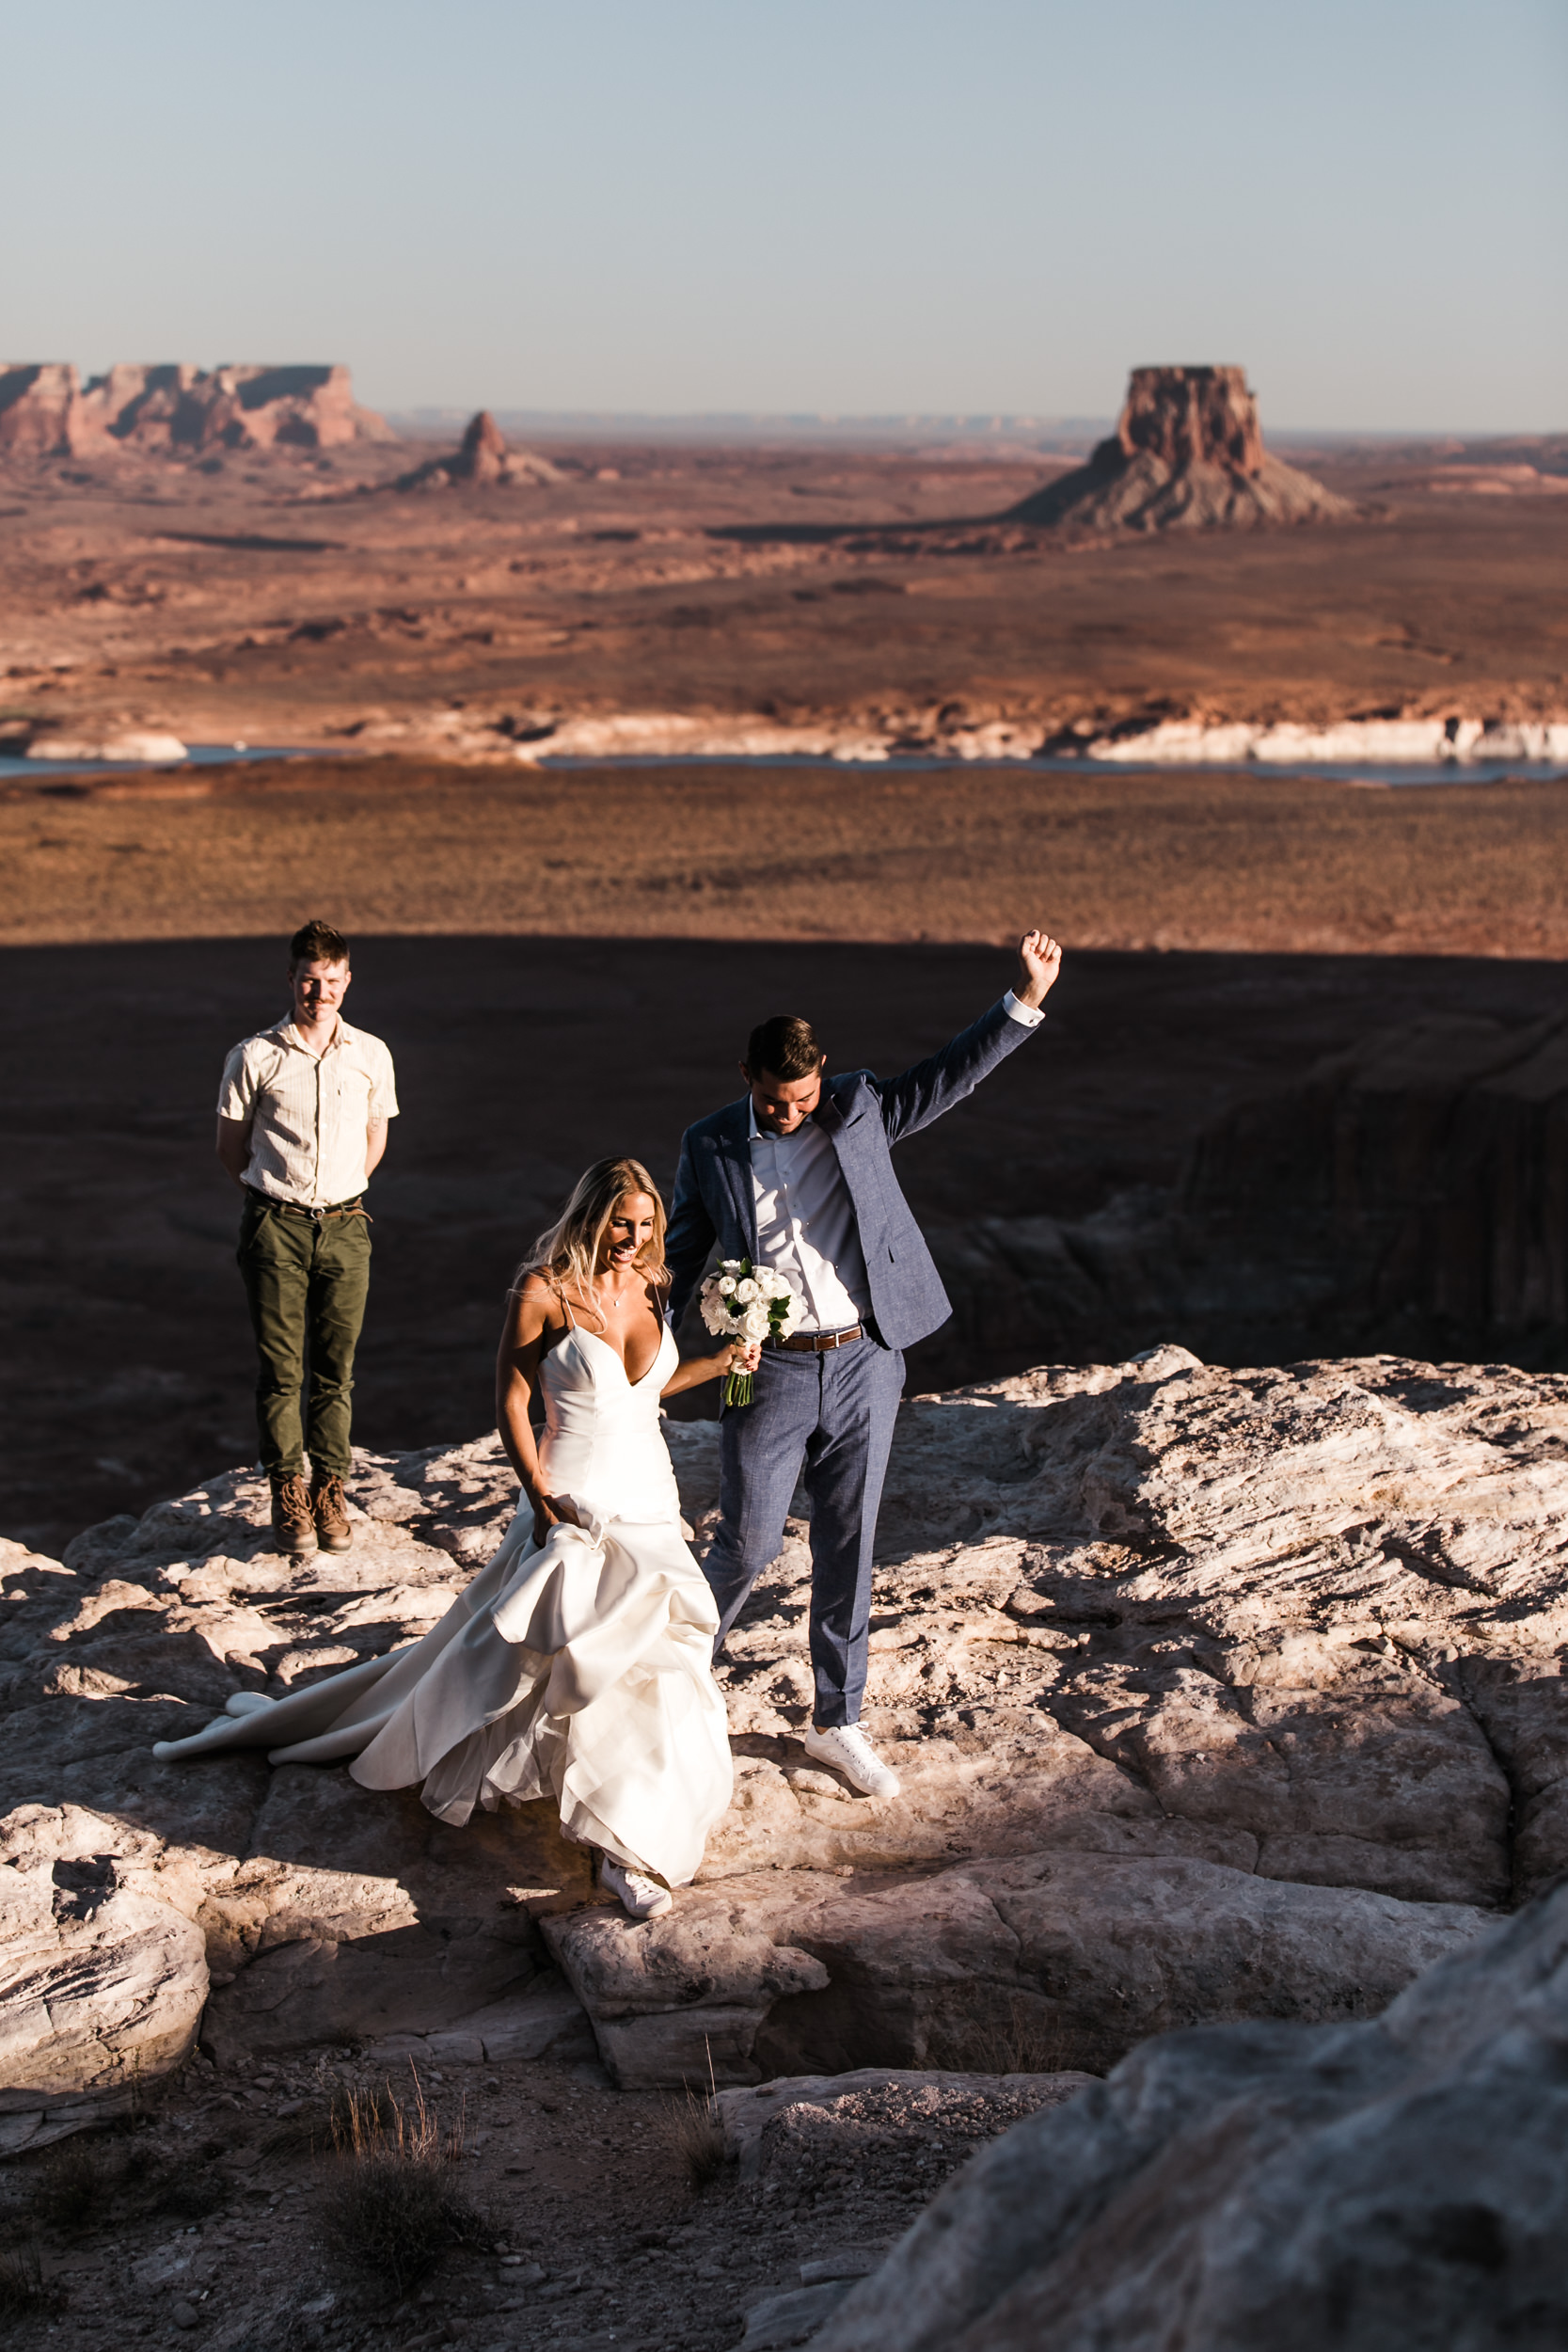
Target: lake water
point(196, 756)
point(1360, 771)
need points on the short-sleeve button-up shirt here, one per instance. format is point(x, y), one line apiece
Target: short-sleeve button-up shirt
point(311, 1113)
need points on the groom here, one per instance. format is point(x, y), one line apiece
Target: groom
point(797, 1177)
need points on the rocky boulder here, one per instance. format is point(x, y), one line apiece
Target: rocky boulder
point(101, 1983)
point(1397, 2182)
point(1187, 454)
point(1073, 1955)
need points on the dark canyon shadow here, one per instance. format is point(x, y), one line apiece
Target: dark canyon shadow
point(1261, 1156)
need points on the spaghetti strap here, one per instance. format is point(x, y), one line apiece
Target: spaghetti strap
point(566, 1309)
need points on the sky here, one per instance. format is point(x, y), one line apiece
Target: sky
point(849, 206)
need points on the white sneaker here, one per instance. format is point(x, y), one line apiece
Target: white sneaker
point(846, 1747)
point(641, 1896)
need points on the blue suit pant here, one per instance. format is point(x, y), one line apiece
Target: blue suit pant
point(829, 1418)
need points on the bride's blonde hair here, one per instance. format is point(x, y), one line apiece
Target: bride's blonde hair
point(569, 1252)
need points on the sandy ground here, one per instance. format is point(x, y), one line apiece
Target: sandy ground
point(303, 600)
point(1106, 859)
point(205, 2225)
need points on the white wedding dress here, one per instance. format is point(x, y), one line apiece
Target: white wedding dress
point(578, 1669)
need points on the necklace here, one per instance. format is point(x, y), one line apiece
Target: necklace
point(599, 1296)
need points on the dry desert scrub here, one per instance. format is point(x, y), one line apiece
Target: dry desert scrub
point(1019, 2038)
point(389, 2208)
point(693, 2136)
point(24, 2293)
point(68, 2191)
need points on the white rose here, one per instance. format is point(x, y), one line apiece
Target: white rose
point(716, 1314)
point(755, 1324)
point(726, 1284)
point(732, 1265)
point(746, 1291)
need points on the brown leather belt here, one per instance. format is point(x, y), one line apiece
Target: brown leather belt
point(820, 1342)
point(314, 1217)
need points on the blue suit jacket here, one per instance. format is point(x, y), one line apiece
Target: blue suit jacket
point(864, 1115)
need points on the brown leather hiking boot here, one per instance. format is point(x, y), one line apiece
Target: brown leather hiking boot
point(294, 1525)
point(333, 1531)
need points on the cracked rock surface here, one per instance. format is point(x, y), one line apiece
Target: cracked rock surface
point(1215, 1695)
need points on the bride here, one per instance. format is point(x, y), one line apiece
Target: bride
point(578, 1664)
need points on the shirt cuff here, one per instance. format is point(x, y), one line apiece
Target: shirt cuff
point(1027, 1016)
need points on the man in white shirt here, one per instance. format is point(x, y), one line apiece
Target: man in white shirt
point(302, 1122)
point(797, 1176)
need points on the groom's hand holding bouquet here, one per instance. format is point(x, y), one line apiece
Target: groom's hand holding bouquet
point(748, 1304)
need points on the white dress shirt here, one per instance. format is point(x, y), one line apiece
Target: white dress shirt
point(310, 1112)
point(806, 1226)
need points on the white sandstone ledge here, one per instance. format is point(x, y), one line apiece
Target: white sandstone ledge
point(1187, 742)
point(1172, 743)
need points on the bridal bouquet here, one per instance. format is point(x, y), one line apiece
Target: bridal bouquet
point(746, 1302)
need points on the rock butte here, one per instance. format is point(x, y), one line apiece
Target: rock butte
point(1187, 454)
point(1218, 1696)
point(482, 460)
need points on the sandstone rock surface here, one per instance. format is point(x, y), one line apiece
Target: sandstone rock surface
point(1187, 454)
point(1216, 1694)
point(1077, 1954)
point(1393, 2182)
point(101, 1985)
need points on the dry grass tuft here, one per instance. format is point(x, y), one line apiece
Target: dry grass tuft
point(24, 2293)
point(389, 2209)
point(70, 2187)
point(692, 2133)
point(1021, 2038)
point(329, 2121)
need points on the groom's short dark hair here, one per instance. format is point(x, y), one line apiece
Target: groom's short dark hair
point(785, 1046)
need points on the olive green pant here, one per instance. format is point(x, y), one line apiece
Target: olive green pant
point(305, 1283)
